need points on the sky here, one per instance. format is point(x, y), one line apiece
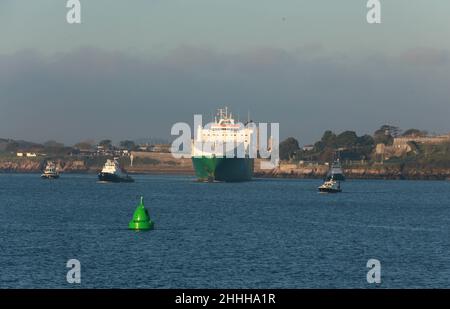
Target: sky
point(132, 69)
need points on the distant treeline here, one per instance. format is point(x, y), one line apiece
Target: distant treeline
point(59, 149)
point(351, 147)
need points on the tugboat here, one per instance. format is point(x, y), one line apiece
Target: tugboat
point(50, 171)
point(112, 172)
point(335, 175)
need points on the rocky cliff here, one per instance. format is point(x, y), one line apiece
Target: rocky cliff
point(28, 165)
point(360, 172)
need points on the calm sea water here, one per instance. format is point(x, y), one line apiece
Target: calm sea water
point(269, 233)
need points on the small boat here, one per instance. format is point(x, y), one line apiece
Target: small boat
point(332, 182)
point(330, 186)
point(112, 172)
point(50, 171)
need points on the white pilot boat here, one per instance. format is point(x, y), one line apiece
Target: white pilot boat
point(330, 186)
point(50, 171)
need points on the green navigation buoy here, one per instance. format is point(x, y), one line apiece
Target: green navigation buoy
point(141, 219)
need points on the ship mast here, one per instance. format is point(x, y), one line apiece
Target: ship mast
point(223, 113)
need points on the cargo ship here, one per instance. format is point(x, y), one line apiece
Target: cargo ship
point(218, 163)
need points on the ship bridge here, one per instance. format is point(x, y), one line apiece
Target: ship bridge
point(224, 129)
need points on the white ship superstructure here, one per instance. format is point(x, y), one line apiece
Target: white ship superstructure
point(112, 167)
point(224, 137)
point(112, 172)
point(50, 171)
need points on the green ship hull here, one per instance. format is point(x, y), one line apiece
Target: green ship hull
point(223, 169)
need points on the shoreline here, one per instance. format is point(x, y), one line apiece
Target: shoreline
point(255, 176)
point(148, 163)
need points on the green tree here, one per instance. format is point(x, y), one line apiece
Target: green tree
point(414, 132)
point(329, 139)
point(388, 129)
point(319, 146)
point(346, 139)
point(288, 148)
point(86, 145)
point(106, 143)
point(365, 140)
point(55, 148)
point(385, 134)
point(127, 144)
